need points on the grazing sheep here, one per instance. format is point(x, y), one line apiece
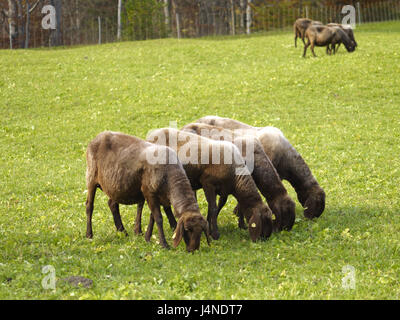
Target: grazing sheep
point(300, 26)
point(347, 29)
point(118, 164)
point(218, 168)
point(329, 37)
point(262, 170)
point(287, 161)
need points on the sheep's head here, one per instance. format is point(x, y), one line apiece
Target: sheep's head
point(284, 210)
point(314, 205)
point(192, 128)
point(190, 227)
point(260, 223)
point(350, 47)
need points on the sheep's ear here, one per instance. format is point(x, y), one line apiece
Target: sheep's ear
point(178, 233)
point(255, 227)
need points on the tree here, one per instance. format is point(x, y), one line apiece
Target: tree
point(12, 25)
point(248, 17)
point(119, 27)
point(29, 10)
point(166, 15)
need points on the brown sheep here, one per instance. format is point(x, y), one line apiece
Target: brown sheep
point(261, 168)
point(118, 164)
point(329, 37)
point(300, 26)
point(347, 29)
point(218, 168)
point(287, 161)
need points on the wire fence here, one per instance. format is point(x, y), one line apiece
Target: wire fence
point(198, 21)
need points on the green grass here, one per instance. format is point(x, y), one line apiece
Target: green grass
point(341, 113)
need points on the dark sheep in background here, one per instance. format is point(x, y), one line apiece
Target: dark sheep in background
point(329, 37)
point(347, 29)
point(300, 26)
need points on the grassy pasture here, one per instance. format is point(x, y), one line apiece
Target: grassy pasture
point(341, 113)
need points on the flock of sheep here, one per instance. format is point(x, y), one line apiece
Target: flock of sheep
point(330, 36)
point(223, 157)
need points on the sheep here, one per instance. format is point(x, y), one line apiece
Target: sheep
point(300, 26)
point(118, 164)
point(218, 168)
point(347, 29)
point(322, 36)
point(287, 161)
point(262, 170)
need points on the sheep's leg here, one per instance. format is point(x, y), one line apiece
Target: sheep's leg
point(212, 214)
point(312, 49)
point(157, 217)
point(302, 34)
point(171, 217)
point(89, 210)
point(241, 223)
point(221, 202)
point(150, 226)
point(114, 207)
point(138, 220)
point(305, 48)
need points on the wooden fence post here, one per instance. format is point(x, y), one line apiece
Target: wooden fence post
point(232, 18)
point(248, 17)
point(178, 28)
point(99, 22)
point(11, 38)
point(119, 27)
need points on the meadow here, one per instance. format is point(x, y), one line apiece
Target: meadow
point(341, 113)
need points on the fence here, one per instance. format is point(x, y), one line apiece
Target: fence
point(197, 19)
point(265, 17)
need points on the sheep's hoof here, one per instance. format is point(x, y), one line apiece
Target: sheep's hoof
point(276, 227)
point(308, 214)
point(215, 235)
point(165, 245)
point(138, 232)
point(173, 226)
point(89, 235)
